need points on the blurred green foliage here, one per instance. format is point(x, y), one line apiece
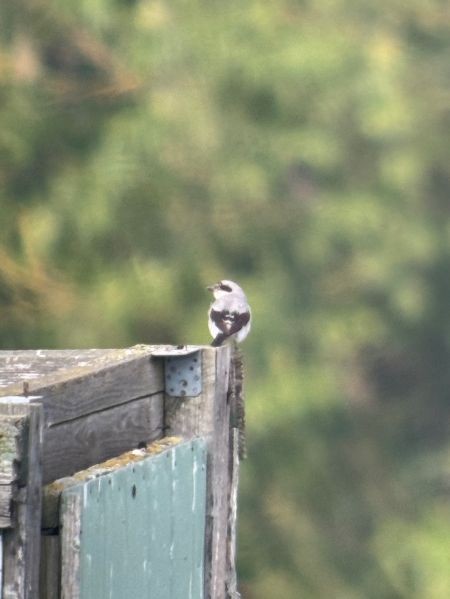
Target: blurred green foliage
point(148, 148)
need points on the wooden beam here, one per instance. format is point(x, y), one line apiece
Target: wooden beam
point(21, 544)
point(70, 546)
point(19, 366)
point(231, 583)
point(74, 383)
point(12, 443)
point(77, 444)
point(208, 415)
point(237, 452)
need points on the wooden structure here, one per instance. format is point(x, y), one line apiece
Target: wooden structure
point(156, 520)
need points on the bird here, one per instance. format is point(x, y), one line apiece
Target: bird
point(229, 316)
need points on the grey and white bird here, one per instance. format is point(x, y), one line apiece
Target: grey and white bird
point(229, 314)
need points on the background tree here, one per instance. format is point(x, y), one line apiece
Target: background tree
point(148, 148)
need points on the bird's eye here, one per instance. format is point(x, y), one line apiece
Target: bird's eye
point(225, 287)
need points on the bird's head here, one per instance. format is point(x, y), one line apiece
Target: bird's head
point(223, 288)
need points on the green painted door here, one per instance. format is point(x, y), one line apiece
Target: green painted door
point(141, 528)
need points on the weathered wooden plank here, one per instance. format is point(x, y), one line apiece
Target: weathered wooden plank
point(21, 544)
point(93, 381)
point(19, 366)
point(79, 443)
point(237, 452)
point(208, 415)
point(1, 564)
point(70, 545)
point(6, 495)
point(129, 542)
point(12, 443)
point(50, 568)
point(219, 481)
point(231, 575)
point(49, 366)
point(33, 505)
point(101, 390)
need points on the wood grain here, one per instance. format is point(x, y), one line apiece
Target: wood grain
point(21, 544)
point(75, 383)
point(77, 444)
point(17, 366)
point(219, 486)
point(52, 365)
point(70, 546)
point(231, 575)
point(12, 444)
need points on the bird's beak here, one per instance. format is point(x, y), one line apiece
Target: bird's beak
point(211, 287)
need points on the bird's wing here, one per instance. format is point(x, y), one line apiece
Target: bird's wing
point(229, 322)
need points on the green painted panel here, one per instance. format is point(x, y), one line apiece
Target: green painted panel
point(142, 528)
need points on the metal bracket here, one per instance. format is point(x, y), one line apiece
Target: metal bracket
point(182, 370)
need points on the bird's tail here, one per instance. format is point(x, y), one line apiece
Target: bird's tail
point(219, 340)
